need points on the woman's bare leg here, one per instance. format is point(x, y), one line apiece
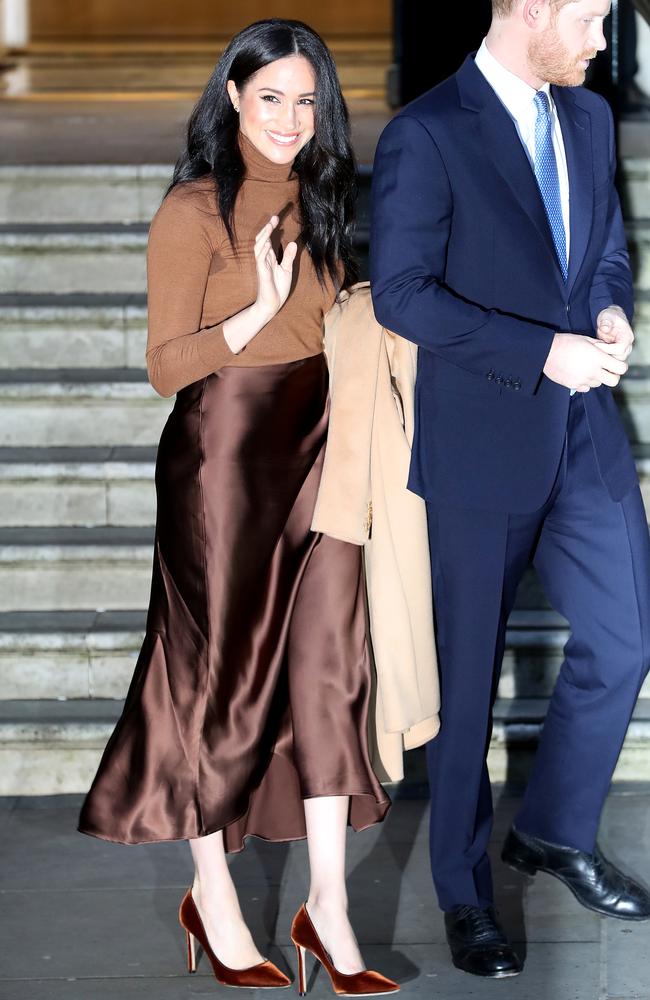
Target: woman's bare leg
point(327, 904)
point(216, 900)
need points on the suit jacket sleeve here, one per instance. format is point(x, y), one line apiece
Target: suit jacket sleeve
point(612, 282)
point(411, 228)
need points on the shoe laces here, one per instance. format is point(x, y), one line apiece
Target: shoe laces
point(482, 922)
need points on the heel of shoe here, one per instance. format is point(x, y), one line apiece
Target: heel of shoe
point(191, 952)
point(302, 972)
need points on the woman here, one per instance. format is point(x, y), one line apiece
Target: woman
point(248, 709)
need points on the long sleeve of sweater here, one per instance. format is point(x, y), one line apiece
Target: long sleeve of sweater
point(179, 258)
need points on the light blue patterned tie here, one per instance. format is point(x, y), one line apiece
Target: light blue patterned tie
point(547, 177)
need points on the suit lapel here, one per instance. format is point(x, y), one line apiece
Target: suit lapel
point(502, 144)
point(576, 134)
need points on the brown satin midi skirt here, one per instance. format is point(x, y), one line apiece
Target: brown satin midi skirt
point(252, 688)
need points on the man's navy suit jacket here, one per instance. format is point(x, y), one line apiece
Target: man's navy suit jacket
point(463, 264)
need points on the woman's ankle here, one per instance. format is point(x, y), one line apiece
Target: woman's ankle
point(327, 902)
point(217, 898)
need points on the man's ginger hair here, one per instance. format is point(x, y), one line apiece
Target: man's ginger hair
point(504, 8)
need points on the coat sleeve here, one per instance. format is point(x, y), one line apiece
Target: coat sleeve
point(612, 283)
point(411, 224)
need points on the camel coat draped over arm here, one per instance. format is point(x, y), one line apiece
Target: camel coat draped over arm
point(363, 499)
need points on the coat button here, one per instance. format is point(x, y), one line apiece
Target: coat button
point(508, 383)
point(490, 376)
point(499, 380)
point(516, 385)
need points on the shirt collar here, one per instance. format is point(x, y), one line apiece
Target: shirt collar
point(514, 93)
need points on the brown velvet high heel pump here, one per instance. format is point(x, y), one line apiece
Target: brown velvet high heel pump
point(264, 976)
point(359, 984)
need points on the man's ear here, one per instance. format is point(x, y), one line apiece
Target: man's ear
point(536, 14)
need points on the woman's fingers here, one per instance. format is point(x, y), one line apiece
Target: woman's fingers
point(261, 246)
point(289, 256)
point(262, 240)
point(268, 228)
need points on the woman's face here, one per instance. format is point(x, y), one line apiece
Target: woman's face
point(276, 107)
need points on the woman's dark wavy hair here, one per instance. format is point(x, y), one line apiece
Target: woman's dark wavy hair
point(325, 165)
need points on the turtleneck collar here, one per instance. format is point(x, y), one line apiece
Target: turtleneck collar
point(259, 167)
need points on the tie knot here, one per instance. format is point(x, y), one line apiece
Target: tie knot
point(542, 103)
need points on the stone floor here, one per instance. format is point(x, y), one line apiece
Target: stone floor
point(85, 920)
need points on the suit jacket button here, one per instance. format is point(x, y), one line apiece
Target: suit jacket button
point(508, 383)
point(516, 385)
point(490, 376)
point(499, 380)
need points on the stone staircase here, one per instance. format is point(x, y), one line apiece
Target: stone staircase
point(78, 429)
point(155, 70)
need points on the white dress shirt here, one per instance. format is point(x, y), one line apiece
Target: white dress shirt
point(518, 98)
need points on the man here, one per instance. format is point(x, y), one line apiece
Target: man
point(498, 247)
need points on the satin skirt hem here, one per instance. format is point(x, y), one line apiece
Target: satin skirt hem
point(379, 808)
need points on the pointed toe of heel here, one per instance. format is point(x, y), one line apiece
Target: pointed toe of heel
point(359, 984)
point(264, 976)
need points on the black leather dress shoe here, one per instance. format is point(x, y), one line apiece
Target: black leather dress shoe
point(478, 945)
point(593, 880)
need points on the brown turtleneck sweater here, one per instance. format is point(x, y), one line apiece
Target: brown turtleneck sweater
point(196, 281)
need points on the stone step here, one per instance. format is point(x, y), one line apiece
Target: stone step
point(73, 258)
point(70, 654)
point(516, 732)
point(103, 487)
point(102, 568)
point(74, 331)
point(75, 569)
point(634, 185)
point(77, 487)
point(534, 653)
point(128, 194)
point(641, 354)
point(38, 74)
point(107, 568)
point(110, 331)
point(78, 408)
point(638, 235)
point(109, 407)
point(53, 747)
point(89, 654)
point(111, 258)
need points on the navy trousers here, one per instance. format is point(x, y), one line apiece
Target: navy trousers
point(593, 558)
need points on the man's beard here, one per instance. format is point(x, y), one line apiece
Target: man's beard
point(552, 62)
